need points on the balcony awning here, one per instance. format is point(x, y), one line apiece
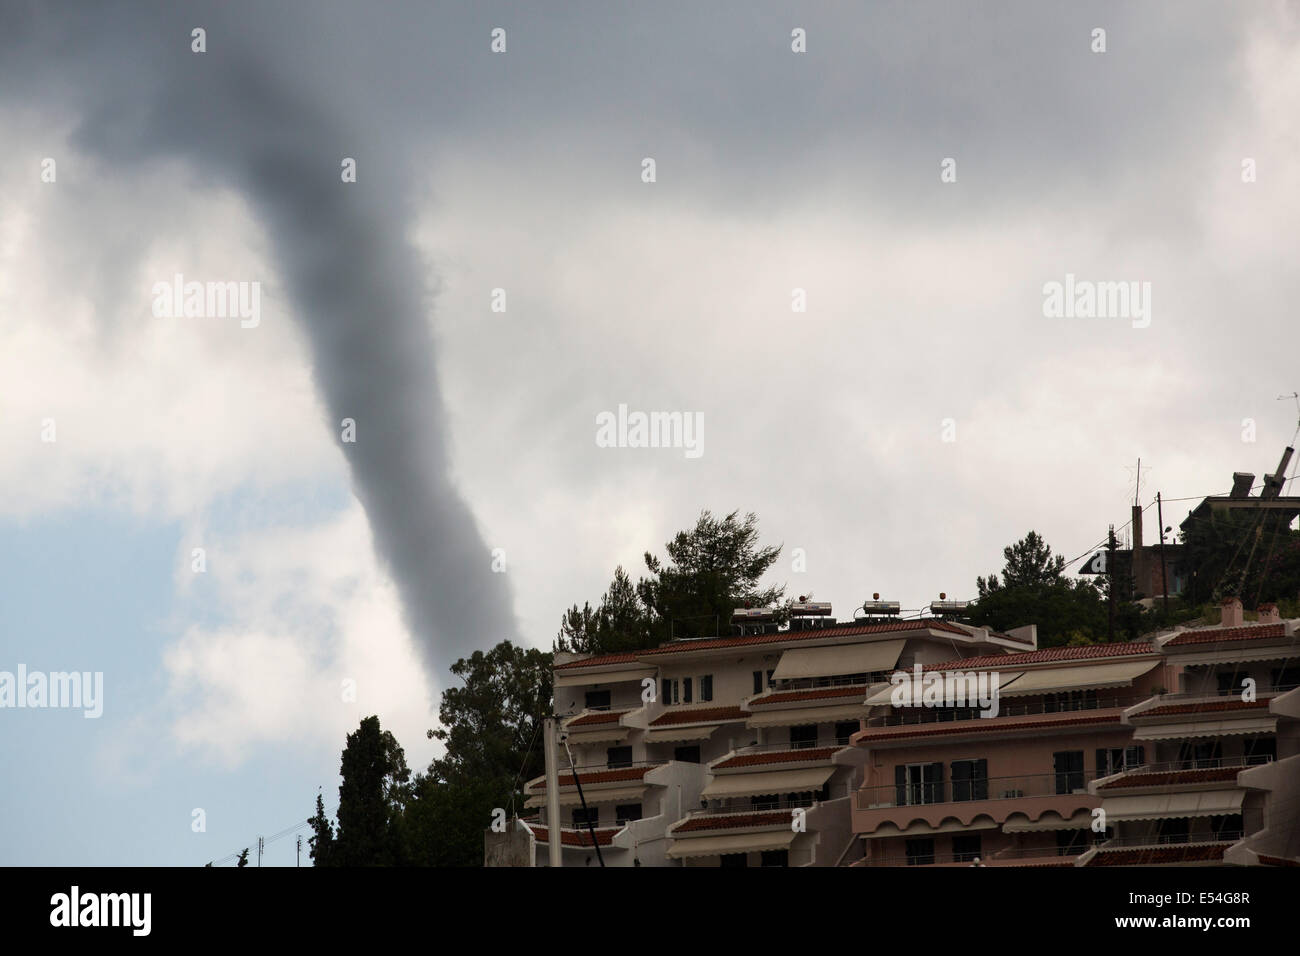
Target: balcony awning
point(885, 697)
point(888, 829)
point(732, 843)
point(774, 781)
point(1082, 820)
point(582, 676)
point(797, 716)
point(1088, 677)
point(569, 798)
point(670, 734)
point(838, 659)
point(1206, 728)
point(606, 734)
point(1159, 806)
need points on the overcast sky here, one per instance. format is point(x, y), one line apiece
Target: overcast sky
point(922, 413)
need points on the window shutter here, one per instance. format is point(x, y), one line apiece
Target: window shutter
point(981, 779)
point(1103, 764)
point(900, 786)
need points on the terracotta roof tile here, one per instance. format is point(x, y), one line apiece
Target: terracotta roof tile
point(1277, 861)
point(601, 717)
point(813, 693)
point(992, 725)
point(698, 715)
point(1153, 855)
point(845, 631)
point(777, 756)
point(600, 776)
point(1204, 707)
point(604, 837)
point(1164, 778)
point(628, 657)
point(1215, 635)
point(1073, 652)
point(731, 822)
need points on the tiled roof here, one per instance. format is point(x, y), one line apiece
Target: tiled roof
point(1215, 635)
point(776, 756)
point(576, 837)
point(731, 822)
point(628, 657)
point(812, 634)
point(601, 717)
point(698, 715)
point(1151, 856)
point(1074, 652)
point(1277, 861)
point(1208, 706)
point(600, 776)
point(1163, 778)
point(992, 725)
point(815, 693)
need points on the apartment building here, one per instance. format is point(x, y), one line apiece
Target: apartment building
point(1184, 749)
point(736, 750)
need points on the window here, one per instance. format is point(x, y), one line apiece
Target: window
point(1230, 682)
point(965, 848)
point(801, 737)
point(687, 754)
point(765, 801)
point(671, 688)
point(627, 812)
point(1115, 759)
point(1227, 827)
point(918, 783)
point(919, 852)
point(776, 858)
point(970, 779)
point(1071, 842)
point(618, 757)
point(734, 859)
point(706, 687)
point(1200, 756)
point(1173, 830)
point(769, 678)
point(1068, 767)
point(1286, 677)
point(598, 700)
point(1259, 749)
point(686, 690)
point(1070, 700)
point(582, 817)
point(758, 682)
point(846, 729)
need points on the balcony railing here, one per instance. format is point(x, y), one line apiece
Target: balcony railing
point(965, 791)
point(1007, 707)
point(1194, 763)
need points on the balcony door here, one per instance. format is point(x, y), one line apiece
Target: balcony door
point(918, 783)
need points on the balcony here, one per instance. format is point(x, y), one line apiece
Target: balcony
point(993, 797)
point(1007, 707)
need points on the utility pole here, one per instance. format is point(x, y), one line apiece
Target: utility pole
point(1110, 584)
point(552, 793)
point(259, 851)
point(1164, 570)
point(299, 863)
point(591, 827)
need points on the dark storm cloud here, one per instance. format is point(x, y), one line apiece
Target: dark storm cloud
point(357, 286)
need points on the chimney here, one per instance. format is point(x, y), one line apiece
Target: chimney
point(1268, 614)
point(1273, 483)
point(1137, 531)
point(1230, 613)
